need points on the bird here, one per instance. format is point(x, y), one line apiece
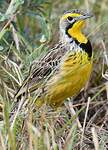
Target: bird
point(65, 69)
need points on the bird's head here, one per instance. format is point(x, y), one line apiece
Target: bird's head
point(72, 22)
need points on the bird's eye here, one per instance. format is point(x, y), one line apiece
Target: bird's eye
point(70, 18)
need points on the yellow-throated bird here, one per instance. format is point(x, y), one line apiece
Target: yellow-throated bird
point(66, 68)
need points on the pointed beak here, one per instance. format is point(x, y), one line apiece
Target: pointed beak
point(85, 16)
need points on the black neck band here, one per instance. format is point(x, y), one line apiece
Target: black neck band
point(85, 46)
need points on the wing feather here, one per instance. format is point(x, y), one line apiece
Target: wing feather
point(40, 70)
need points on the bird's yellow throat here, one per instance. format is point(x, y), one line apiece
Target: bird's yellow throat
point(75, 32)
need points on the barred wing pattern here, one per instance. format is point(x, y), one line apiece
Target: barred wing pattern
point(42, 70)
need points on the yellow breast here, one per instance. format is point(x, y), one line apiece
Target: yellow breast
point(72, 77)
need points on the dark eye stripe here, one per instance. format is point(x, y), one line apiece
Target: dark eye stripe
point(70, 18)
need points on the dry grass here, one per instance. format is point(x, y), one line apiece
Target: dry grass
point(26, 30)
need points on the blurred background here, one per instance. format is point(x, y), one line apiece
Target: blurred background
point(28, 28)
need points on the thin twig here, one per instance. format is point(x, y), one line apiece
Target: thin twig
point(86, 113)
point(74, 113)
point(95, 138)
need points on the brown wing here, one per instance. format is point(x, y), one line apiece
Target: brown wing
point(42, 70)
